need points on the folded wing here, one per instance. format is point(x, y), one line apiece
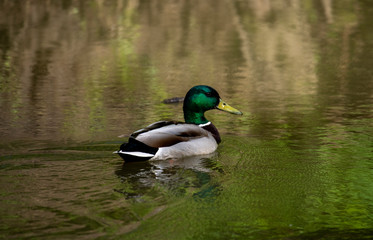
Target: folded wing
point(165, 134)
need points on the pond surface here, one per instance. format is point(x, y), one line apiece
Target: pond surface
point(75, 75)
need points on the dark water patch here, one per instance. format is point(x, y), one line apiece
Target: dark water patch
point(334, 234)
point(61, 155)
point(8, 166)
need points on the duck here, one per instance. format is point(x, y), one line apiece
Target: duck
point(173, 139)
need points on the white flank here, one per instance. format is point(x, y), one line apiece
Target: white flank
point(200, 146)
point(137, 154)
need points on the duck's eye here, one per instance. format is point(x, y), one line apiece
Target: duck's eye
point(208, 94)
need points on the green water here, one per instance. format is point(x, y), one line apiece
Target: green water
point(75, 75)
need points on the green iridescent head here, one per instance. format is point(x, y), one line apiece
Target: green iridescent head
point(201, 98)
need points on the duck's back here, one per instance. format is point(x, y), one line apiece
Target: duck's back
point(165, 139)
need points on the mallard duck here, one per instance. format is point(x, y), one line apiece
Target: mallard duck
point(170, 139)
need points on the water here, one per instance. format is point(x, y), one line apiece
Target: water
point(74, 75)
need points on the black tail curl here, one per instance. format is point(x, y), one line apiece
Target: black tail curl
point(135, 146)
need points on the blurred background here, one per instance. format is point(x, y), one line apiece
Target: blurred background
point(88, 70)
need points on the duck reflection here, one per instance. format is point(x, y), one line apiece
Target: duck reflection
point(178, 176)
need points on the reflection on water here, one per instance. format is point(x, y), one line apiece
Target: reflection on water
point(177, 176)
point(74, 75)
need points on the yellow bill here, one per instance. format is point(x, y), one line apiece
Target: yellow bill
point(225, 107)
